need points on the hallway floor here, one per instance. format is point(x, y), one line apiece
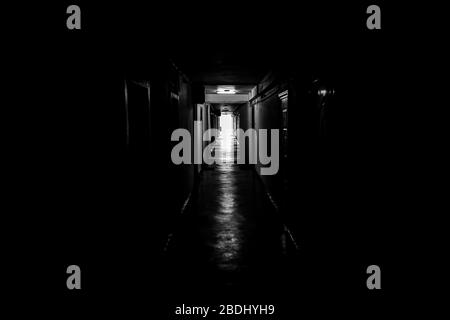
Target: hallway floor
point(230, 238)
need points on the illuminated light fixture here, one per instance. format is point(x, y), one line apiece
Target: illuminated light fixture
point(325, 92)
point(226, 91)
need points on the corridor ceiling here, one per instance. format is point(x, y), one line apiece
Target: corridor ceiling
point(223, 67)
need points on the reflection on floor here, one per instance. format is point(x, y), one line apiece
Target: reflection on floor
point(231, 238)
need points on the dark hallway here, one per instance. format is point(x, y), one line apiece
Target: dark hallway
point(230, 237)
point(296, 104)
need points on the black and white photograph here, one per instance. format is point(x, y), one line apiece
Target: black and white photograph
point(217, 160)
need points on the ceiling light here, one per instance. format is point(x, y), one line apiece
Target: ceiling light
point(226, 91)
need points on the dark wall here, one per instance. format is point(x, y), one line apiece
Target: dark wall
point(342, 166)
point(108, 195)
point(245, 112)
point(162, 183)
point(264, 112)
point(268, 116)
point(344, 195)
point(245, 116)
